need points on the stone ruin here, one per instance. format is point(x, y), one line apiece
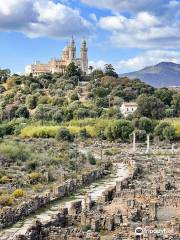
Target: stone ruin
point(148, 199)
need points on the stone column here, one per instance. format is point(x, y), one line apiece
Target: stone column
point(119, 186)
point(88, 202)
point(153, 211)
point(172, 150)
point(148, 144)
point(134, 141)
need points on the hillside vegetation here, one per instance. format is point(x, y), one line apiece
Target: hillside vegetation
point(43, 119)
point(39, 106)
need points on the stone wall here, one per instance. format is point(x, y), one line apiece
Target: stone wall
point(9, 215)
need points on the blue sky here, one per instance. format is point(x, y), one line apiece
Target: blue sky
point(129, 34)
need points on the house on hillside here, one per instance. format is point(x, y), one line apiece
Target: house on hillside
point(128, 108)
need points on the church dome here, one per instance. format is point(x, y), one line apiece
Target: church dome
point(65, 49)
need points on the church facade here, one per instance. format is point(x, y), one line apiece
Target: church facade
point(59, 65)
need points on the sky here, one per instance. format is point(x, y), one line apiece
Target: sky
point(126, 33)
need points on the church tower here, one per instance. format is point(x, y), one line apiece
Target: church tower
point(84, 57)
point(72, 50)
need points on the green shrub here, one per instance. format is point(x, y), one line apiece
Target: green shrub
point(23, 112)
point(83, 134)
point(146, 124)
point(119, 129)
point(165, 131)
point(141, 135)
point(91, 159)
point(32, 165)
point(64, 135)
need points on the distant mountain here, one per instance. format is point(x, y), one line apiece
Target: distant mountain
point(163, 74)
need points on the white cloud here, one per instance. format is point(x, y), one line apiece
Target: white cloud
point(142, 20)
point(144, 30)
point(158, 7)
point(147, 58)
point(97, 64)
point(93, 17)
point(38, 18)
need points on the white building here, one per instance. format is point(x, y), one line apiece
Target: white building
point(128, 108)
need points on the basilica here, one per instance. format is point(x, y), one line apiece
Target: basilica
point(59, 65)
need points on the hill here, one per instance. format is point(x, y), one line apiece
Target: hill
point(163, 74)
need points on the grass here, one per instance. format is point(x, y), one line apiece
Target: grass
point(75, 126)
point(39, 131)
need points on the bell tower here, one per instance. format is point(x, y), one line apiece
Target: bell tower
point(84, 57)
point(72, 50)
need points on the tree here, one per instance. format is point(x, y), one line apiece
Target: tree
point(74, 96)
point(58, 116)
point(40, 114)
point(141, 135)
point(151, 107)
point(2, 131)
point(22, 111)
point(91, 69)
point(165, 95)
point(34, 86)
point(109, 71)
point(31, 101)
point(97, 73)
point(119, 129)
point(165, 131)
point(146, 124)
point(113, 112)
point(73, 70)
point(4, 74)
point(101, 92)
point(176, 104)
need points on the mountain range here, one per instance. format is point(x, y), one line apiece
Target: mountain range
point(163, 74)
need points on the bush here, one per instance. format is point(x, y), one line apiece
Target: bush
point(31, 101)
point(15, 151)
point(91, 159)
point(141, 135)
point(23, 112)
point(58, 117)
point(32, 165)
point(83, 134)
point(35, 177)
point(64, 135)
point(5, 180)
point(6, 200)
point(146, 124)
point(44, 100)
point(119, 129)
point(18, 193)
point(38, 187)
point(74, 96)
point(2, 131)
point(165, 131)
